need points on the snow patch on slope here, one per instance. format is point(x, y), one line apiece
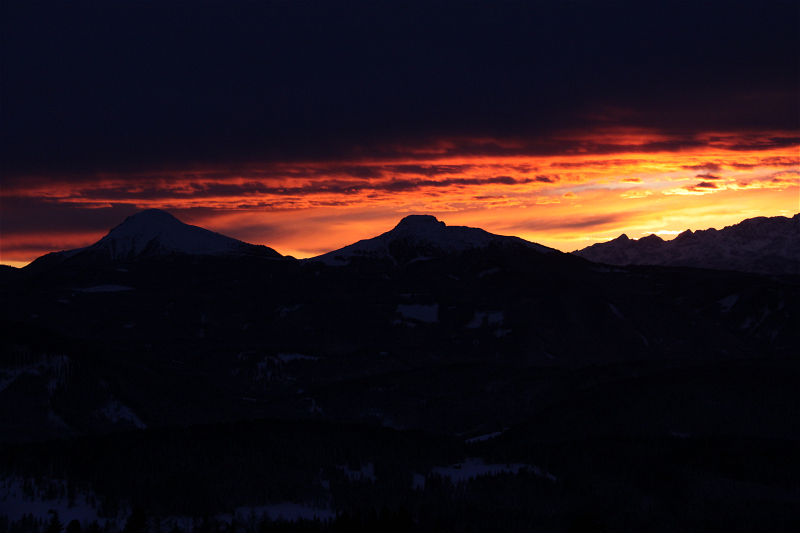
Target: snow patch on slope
point(492, 318)
point(423, 313)
point(56, 366)
point(286, 511)
point(367, 471)
point(14, 504)
point(116, 411)
point(476, 467)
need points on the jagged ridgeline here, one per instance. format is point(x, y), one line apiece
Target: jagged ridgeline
point(766, 245)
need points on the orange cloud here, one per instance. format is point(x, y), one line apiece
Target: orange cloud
point(495, 185)
point(542, 200)
point(636, 194)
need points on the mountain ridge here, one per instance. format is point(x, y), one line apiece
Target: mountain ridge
point(426, 234)
point(764, 245)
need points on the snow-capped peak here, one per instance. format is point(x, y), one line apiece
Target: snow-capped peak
point(154, 231)
point(763, 245)
point(426, 233)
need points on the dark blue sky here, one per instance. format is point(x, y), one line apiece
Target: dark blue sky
point(109, 86)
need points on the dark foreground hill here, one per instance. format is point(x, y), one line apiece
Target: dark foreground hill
point(395, 358)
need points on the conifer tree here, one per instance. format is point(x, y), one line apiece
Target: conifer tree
point(74, 527)
point(94, 527)
point(137, 522)
point(55, 525)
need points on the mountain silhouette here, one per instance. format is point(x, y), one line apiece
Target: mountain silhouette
point(419, 238)
point(763, 245)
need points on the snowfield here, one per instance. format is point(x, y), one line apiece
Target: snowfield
point(423, 313)
point(476, 467)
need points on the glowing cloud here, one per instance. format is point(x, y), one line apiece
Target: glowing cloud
point(636, 194)
point(505, 187)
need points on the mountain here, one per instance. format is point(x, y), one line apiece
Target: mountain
point(155, 233)
point(444, 330)
point(8, 273)
point(761, 245)
point(419, 238)
point(164, 351)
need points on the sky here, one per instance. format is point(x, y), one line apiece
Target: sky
point(306, 126)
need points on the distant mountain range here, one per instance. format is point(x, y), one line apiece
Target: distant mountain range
point(153, 233)
point(761, 244)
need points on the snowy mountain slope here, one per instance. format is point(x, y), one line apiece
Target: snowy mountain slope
point(761, 245)
point(427, 236)
point(153, 233)
point(156, 232)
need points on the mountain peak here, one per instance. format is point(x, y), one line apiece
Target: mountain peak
point(152, 216)
point(685, 236)
point(422, 236)
point(156, 232)
point(651, 239)
point(767, 245)
point(420, 221)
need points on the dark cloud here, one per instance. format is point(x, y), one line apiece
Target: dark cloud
point(769, 162)
point(227, 190)
point(771, 143)
point(256, 233)
point(541, 224)
point(710, 167)
point(546, 179)
point(41, 216)
point(708, 176)
point(429, 170)
point(406, 185)
point(702, 186)
point(353, 171)
point(181, 84)
point(597, 163)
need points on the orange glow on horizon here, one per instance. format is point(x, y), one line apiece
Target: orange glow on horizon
point(593, 189)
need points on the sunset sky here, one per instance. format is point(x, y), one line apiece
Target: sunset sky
point(306, 126)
